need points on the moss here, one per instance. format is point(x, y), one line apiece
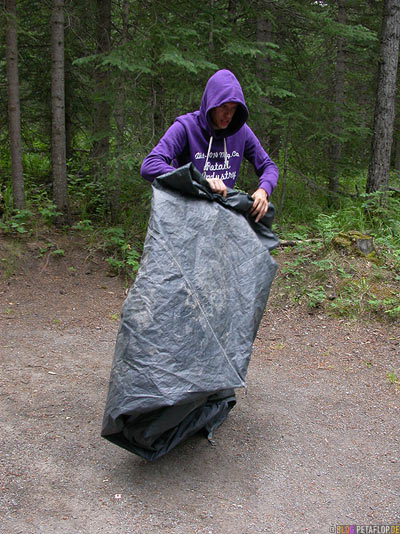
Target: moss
point(354, 242)
point(373, 258)
point(341, 241)
point(354, 235)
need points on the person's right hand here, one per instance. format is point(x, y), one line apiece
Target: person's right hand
point(217, 186)
point(260, 204)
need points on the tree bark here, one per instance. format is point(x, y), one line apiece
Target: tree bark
point(58, 156)
point(336, 145)
point(14, 114)
point(211, 31)
point(396, 140)
point(68, 108)
point(379, 166)
point(102, 108)
point(119, 116)
point(285, 166)
point(264, 34)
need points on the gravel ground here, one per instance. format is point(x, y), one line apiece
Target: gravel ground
point(312, 443)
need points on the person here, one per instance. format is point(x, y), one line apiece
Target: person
point(215, 139)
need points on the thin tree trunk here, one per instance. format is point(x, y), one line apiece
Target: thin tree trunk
point(378, 172)
point(102, 108)
point(58, 158)
point(157, 114)
point(14, 115)
point(232, 10)
point(264, 34)
point(336, 145)
point(211, 32)
point(119, 116)
point(285, 166)
point(68, 111)
point(396, 140)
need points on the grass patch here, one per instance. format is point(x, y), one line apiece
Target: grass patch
point(340, 282)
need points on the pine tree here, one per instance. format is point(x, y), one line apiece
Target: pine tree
point(102, 108)
point(14, 116)
point(378, 172)
point(58, 154)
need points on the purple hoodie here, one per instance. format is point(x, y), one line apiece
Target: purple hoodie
point(215, 153)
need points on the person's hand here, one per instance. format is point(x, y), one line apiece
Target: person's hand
point(217, 186)
point(260, 204)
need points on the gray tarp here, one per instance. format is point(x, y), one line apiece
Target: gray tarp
point(190, 318)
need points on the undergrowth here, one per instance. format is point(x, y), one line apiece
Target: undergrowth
point(326, 270)
point(120, 245)
point(341, 284)
point(316, 272)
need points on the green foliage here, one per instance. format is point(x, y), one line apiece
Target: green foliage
point(344, 285)
point(17, 222)
point(174, 57)
point(342, 281)
point(52, 250)
point(284, 55)
point(6, 201)
point(388, 305)
point(58, 252)
point(84, 226)
point(36, 164)
point(123, 256)
point(315, 296)
point(48, 213)
point(87, 197)
point(393, 378)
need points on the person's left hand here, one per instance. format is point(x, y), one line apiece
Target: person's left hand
point(260, 204)
point(217, 186)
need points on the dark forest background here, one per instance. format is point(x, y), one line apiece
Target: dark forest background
point(87, 88)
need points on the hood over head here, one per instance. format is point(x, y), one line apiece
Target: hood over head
point(223, 87)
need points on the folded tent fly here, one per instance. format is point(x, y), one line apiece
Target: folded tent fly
point(189, 320)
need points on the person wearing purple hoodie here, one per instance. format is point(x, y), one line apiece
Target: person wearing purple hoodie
point(215, 139)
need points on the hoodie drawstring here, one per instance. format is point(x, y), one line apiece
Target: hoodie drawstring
point(208, 155)
point(205, 168)
point(225, 154)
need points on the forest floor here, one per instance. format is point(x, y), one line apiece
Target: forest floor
point(313, 443)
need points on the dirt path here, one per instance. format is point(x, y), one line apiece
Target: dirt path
point(314, 443)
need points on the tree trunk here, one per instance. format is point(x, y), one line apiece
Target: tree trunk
point(285, 166)
point(336, 145)
point(264, 34)
point(379, 166)
point(119, 116)
point(211, 31)
point(58, 157)
point(102, 108)
point(232, 8)
point(68, 110)
point(396, 140)
point(14, 117)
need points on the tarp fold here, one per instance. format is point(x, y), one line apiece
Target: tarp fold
point(189, 320)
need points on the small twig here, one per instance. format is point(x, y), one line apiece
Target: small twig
point(46, 263)
point(293, 243)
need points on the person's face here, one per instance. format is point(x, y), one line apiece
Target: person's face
point(221, 116)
